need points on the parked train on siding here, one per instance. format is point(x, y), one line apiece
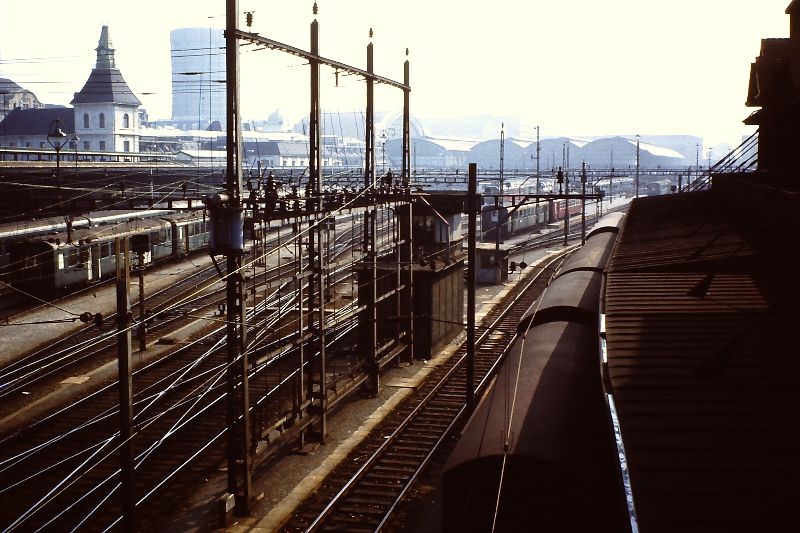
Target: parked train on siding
point(12, 232)
point(51, 263)
point(528, 216)
point(658, 187)
point(538, 453)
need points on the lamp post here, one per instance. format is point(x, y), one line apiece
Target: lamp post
point(385, 136)
point(74, 142)
point(57, 139)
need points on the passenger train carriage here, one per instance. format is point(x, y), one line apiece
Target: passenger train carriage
point(47, 263)
point(528, 216)
point(538, 453)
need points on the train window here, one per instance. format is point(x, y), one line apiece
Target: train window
point(85, 255)
point(487, 260)
point(72, 257)
point(180, 233)
point(60, 261)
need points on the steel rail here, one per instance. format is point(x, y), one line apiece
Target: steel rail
point(391, 439)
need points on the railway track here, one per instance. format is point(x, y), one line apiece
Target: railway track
point(179, 408)
point(61, 472)
point(166, 310)
point(362, 494)
point(179, 418)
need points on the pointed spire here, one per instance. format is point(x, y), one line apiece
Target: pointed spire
point(105, 52)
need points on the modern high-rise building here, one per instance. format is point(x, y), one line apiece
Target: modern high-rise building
point(198, 77)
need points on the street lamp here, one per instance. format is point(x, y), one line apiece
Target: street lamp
point(385, 136)
point(57, 139)
point(74, 142)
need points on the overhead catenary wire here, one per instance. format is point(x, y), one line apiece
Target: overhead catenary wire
point(248, 350)
point(510, 402)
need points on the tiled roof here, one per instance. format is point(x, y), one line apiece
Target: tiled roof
point(37, 121)
point(8, 86)
point(702, 311)
point(105, 85)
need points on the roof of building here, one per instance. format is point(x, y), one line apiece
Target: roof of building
point(105, 84)
point(659, 151)
point(701, 322)
point(37, 121)
point(8, 86)
point(453, 145)
point(295, 149)
point(220, 155)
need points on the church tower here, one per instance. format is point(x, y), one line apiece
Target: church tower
point(106, 110)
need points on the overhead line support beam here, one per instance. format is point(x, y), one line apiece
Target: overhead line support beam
point(310, 56)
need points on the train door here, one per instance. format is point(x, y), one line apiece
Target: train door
point(177, 238)
point(187, 237)
point(94, 258)
point(85, 261)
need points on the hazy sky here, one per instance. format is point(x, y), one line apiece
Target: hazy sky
point(580, 67)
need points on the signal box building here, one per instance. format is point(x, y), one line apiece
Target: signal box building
point(438, 280)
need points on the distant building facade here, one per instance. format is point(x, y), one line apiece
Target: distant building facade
point(106, 110)
point(198, 62)
point(104, 116)
point(12, 97)
point(28, 128)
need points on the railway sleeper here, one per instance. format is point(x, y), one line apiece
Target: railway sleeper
point(374, 510)
point(375, 481)
point(376, 491)
point(408, 455)
point(450, 395)
point(371, 499)
point(400, 462)
point(398, 471)
point(347, 525)
point(430, 424)
point(414, 440)
point(429, 415)
point(447, 409)
point(448, 399)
